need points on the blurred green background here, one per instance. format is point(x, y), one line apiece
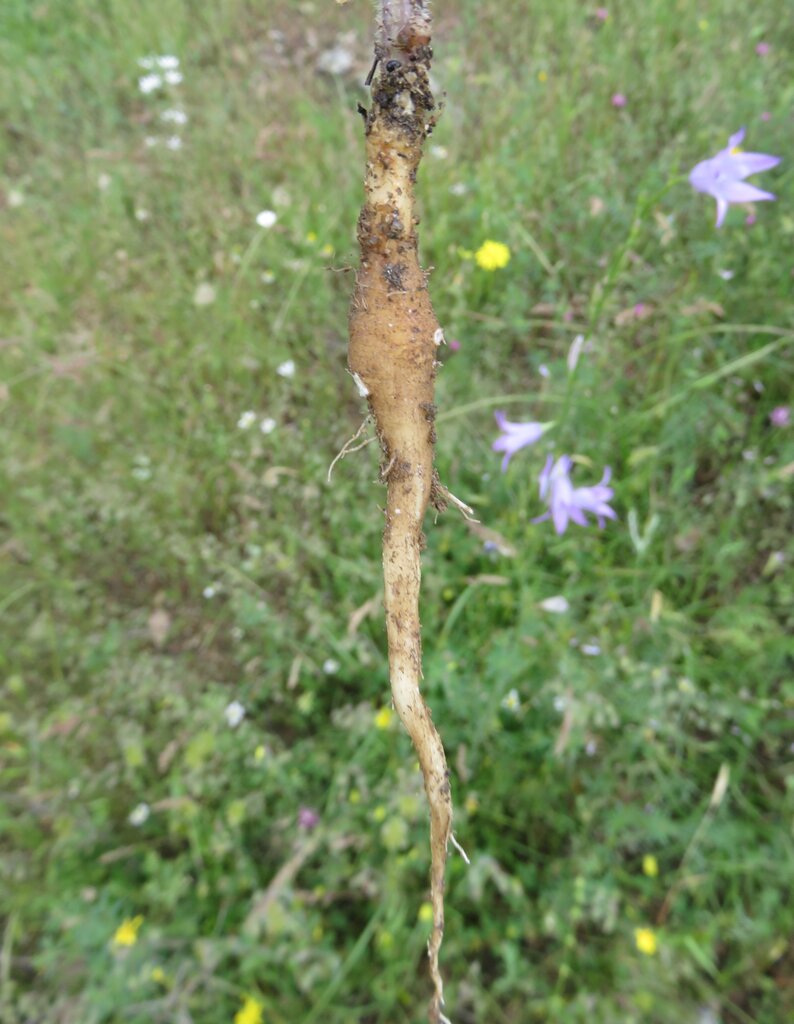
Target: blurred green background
point(209, 814)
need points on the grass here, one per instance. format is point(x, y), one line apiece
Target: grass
point(129, 489)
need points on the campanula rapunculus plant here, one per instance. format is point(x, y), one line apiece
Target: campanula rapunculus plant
point(723, 175)
point(515, 436)
point(567, 502)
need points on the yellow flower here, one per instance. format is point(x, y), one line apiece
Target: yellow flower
point(492, 255)
point(354, 796)
point(379, 814)
point(645, 938)
point(158, 975)
point(311, 236)
point(650, 865)
point(127, 932)
point(543, 76)
point(259, 753)
point(472, 804)
point(425, 914)
point(250, 1012)
point(383, 718)
point(703, 24)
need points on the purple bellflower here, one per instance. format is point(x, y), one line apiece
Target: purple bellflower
point(723, 175)
point(568, 502)
point(516, 436)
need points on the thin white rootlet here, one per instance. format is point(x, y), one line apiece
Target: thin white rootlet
point(363, 390)
point(459, 848)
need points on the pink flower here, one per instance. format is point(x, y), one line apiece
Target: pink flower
point(454, 344)
point(765, 115)
point(308, 818)
point(601, 13)
point(750, 219)
point(780, 416)
point(618, 100)
point(762, 49)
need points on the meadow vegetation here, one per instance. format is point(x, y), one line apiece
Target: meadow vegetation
point(210, 813)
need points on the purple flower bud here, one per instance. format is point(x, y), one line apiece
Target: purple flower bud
point(780, 416)
point(308, 818)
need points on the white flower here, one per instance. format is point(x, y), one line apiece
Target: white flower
point(210, 591)
point(15, 198)
point(544, 371)
point(247, 420)
point(141, 214)
point(151, 141)
point(266, 218)
point(142, 468)
point(557, 605)
point(173, 77)
point(575, 351)
point(148, 83)
point(591, 649)
point(268, 425)
point(559, 703)
point(139, 815)
point(204, 295)
point(234, 713)
point(336, 61)
point(458, 189)
point(174, 116)
point(726, 275)
point(439, 152)
point(286, 369)
point(268, 277)
point(511, 701)
point(281, 196)
point(166, 62)
point(173, 142)
point(103, 182)
point(330, 666)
